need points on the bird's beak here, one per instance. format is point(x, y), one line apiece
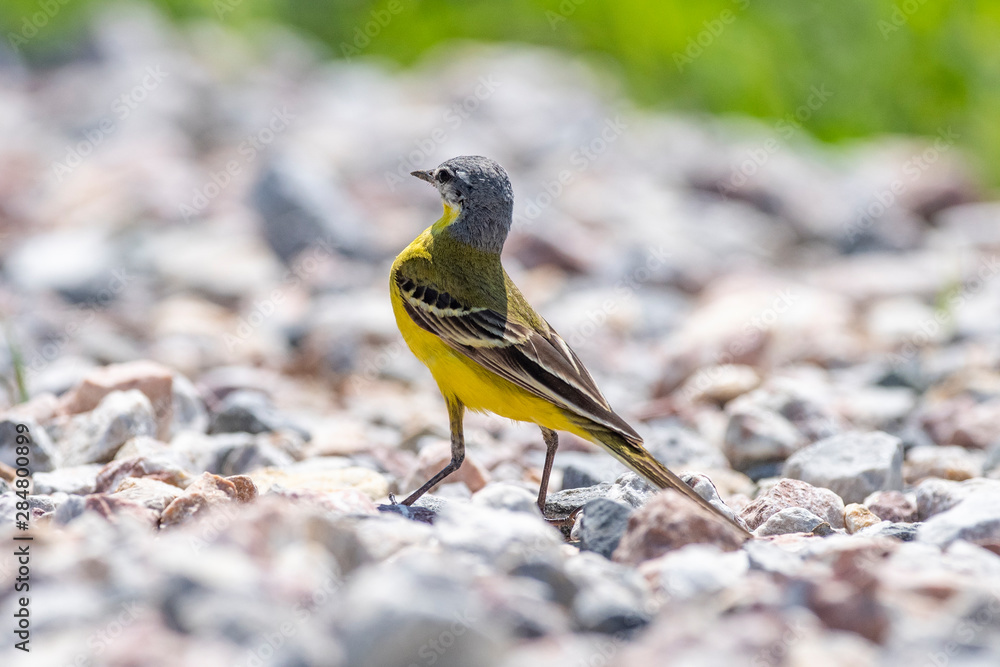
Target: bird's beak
point(423, 175)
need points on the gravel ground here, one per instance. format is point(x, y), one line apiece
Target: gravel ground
point(195, 234)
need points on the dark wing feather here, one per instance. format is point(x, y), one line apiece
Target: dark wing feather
point(538, 361)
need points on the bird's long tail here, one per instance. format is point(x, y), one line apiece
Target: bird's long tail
point(631, 452)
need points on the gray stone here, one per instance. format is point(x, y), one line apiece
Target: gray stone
point(79, 480)
point(756, 436)
point(70, 509)
point(790, 520)
point(493, 534)
point(975, 519)
point(563, 503)
point(507, 496)
point(631, 489)
point(695, 570)
point(854, 465)
point(602, 524)
point(904, 532)
point(940, 495)
point(420, 607)
point(189, 411)
point(951, 462)
point(251, 412)
point(678, 447)
point(768, 556)
point(705, 487)
point(96, 436)
point(302, 208)
point(581, 469)
point(230, 453)
point(610, 597)
point(43, 455)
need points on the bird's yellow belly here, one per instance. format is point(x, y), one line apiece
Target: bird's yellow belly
point(477, 388)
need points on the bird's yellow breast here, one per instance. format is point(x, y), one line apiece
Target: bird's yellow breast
point(460, 377)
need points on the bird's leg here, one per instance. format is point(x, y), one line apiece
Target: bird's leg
point(456, 411)
point(551, 444)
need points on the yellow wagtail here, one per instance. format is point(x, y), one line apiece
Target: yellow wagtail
point(488, 350)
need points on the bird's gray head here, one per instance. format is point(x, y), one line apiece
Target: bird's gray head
point(476, 192)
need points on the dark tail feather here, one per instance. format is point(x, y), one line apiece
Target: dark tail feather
point(631, 452)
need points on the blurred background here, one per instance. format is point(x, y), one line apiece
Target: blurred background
point(760, 224)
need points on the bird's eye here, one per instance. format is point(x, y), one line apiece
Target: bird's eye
point(444, 176)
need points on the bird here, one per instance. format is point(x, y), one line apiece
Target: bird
point(486, 347)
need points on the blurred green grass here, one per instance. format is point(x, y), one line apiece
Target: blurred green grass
point(904, 66)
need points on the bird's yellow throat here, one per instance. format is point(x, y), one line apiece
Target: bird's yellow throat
point(451, 213)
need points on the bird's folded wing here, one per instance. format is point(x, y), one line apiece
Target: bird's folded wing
point(538, 361)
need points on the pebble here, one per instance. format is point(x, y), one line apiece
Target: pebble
point(610, 598)
point(974, 519)
point(630, 489)
point(507, 496)
point(694, 571)
point(905, 532)
point(950, 462)
point(43, 454)
point(669, 521)
point(789, 493)
point(435, 456)
point(154, 380)
point(582, 469)
point(96, 436)
point(858, 517)
point(935, 495)
point(853, 465)
point(208, 492)
point(565, 502)
point(148, 492)
point(602, 524)
point(675, 446)
point(79, 480)
point(188, 408)
point(893, 506)
point(756, 436)
point(234, 453)
point(322, 480)
point(250, 412)
point(161, 469)
point(792, 520)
